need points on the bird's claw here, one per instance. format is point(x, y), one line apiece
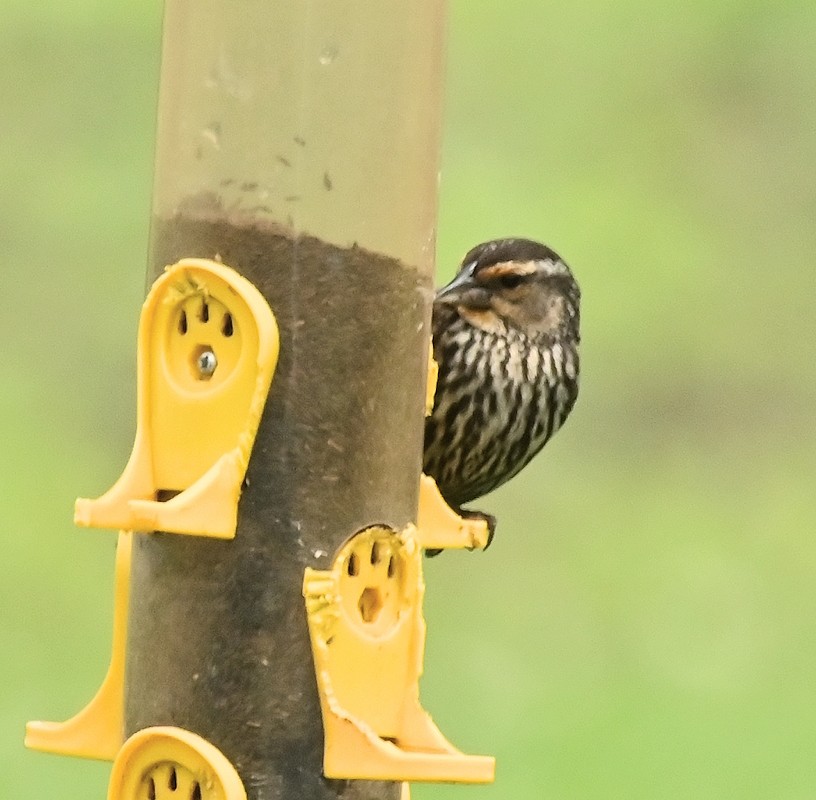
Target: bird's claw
point(488, 519)
point(465, 513)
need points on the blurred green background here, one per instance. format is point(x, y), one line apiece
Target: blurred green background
point(644, 626)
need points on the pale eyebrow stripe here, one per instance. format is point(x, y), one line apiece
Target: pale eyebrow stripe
point(509, 268)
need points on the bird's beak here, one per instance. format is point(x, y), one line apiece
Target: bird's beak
point(456, 289)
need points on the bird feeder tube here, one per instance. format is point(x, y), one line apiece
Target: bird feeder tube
point(268, 634)
point(298, 146)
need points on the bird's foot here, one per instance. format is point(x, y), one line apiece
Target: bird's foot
point(465, 513)
point(488, 519)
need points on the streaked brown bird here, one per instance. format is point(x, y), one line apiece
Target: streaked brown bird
point(505, 336)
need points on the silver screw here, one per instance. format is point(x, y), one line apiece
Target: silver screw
point(207, 362)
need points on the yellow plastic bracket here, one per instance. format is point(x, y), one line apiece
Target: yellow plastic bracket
point(208, 347)
point(98, 730)
point(439, 526)
point(166, 763)
point(430, 385)
point(368, 639)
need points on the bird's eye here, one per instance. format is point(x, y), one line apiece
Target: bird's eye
point(510, 281)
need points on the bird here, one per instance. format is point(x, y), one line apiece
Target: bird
point(506, 335)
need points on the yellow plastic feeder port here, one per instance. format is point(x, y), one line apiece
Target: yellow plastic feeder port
point(166, 763)
point(208, 346)
point(368, 638)
point(156, 763)
point(97, 731)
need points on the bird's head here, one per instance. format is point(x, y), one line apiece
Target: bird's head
point(518, 284)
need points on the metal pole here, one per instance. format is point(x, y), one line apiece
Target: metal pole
point(298, 144)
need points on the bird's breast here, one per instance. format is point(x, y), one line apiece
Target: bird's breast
point(498, 401)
